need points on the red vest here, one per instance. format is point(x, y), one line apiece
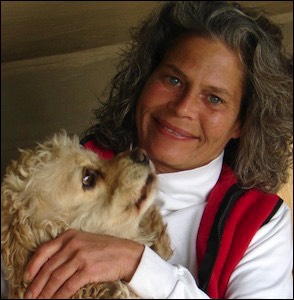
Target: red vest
point(231, 218)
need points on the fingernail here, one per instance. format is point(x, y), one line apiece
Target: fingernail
point(26, 276)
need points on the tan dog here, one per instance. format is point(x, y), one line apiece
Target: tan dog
point(60, 185)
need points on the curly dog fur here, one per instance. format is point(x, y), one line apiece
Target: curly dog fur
point(60, 185)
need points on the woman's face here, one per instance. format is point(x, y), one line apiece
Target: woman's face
point(188, 109)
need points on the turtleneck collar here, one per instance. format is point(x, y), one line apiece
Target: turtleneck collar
point(183, 189)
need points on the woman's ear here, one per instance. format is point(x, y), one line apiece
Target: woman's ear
point(237, 130)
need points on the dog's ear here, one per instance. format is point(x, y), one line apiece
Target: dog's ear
point(152, 225)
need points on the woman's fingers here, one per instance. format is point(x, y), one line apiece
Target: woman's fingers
point(40, 257)
point(57, 280)
point(44, 267)
point(70, 287)
point(52, 276)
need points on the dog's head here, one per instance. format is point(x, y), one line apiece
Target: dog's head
point(60, 184)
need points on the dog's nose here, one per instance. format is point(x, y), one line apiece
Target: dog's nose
point(140, 156)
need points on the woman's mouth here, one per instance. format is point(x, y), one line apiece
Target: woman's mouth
point(170, 130)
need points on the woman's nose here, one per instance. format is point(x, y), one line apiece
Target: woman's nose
point(186, 106)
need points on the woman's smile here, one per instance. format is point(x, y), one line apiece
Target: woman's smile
point(171, 131)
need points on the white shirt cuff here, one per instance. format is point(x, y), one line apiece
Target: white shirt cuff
point(157, 279)
point(154, 277)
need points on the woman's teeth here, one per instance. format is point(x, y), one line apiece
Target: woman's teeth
point(172, 132)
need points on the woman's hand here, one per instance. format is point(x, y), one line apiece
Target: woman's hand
point(62, 266)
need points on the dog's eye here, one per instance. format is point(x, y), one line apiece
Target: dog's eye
point(89, 178)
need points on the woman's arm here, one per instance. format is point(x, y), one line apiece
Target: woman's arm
point(264, 271)
point(61, 266)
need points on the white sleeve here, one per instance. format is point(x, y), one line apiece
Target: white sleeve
point(157, 279)
point(265, 271)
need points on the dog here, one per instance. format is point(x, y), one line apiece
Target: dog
point(60, 185)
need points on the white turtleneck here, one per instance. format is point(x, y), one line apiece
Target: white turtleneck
point(182, 199)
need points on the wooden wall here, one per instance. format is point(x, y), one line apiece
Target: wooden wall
point(57, 57)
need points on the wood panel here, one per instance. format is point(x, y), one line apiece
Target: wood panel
point(271, 7)
point(41, 28)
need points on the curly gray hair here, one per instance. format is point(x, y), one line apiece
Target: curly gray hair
point(262, 155)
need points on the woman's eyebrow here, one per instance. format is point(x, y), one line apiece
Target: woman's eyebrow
point(176, 70)
point(219, 90)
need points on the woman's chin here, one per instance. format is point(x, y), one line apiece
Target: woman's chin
point(166, 161)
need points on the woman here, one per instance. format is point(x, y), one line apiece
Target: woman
point(206, 90)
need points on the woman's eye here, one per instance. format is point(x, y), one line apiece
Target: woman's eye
point(89, 178)
point(173, 80)
point(214, 99)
